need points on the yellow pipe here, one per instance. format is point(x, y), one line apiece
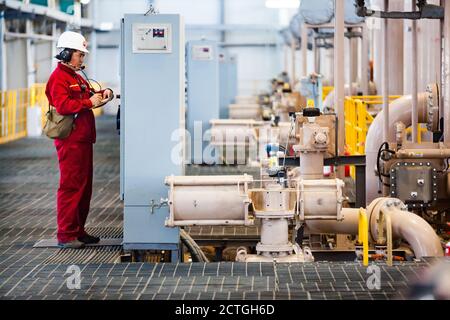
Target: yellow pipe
point(363, 235)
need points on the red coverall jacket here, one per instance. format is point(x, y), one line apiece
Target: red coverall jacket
point(69, 93)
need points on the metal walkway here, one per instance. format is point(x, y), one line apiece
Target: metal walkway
point(28, 182)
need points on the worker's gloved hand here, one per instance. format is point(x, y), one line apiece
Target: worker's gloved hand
point(96, 99)
point(108, 94)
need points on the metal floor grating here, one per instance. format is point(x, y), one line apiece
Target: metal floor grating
point(107, 233)
point(28, 182)
point(110, 254)
point(221, 281)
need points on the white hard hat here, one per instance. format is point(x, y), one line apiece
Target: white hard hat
point(72, 40)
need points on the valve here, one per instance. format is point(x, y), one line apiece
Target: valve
point(163, 202)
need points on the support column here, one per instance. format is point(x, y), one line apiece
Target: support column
point(317, 58)
point(365, 60)
point(304, 51)
point(351, 59)
point(339, 76)
point(222, 20)
point(414, 114)
point(31, 55)
point(93, 54)
point(2, 52)
point(293, 74)
point(93, 10)
point(286, 59)
point(442, 62)
point(385, 73)
point(55, 35)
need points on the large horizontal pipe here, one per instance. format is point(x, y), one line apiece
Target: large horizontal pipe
point(423, 153)
point(207, 200)
point(208, 223)
point(405, 225)
point(207, 180)
point(399, 111)
point(356, 89)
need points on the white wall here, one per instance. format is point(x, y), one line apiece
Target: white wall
point(256, 64)
point(43, 60)
point(16, 68)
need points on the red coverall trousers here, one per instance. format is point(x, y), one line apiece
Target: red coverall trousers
point(75, 188)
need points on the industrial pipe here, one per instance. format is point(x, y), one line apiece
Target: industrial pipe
point(427, 11)
point(207, 200)
point(423, 154)
point(339, 77)
point(399, 111)
point(385, 75)
point(405, 225)
point(304, 51)
point(365, 61)
point(356, 89)
point(293, 63)
point(414, 91)
point(446, 71)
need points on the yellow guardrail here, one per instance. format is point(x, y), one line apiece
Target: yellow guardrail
point(358, 119)
point(326, 91)
point(13, 115)
point(38, 99)
point(13, 111)
point(357, 122)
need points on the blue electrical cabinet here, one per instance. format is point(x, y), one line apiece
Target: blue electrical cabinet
point(151, 115)
point(228, 82)
point(202, 72)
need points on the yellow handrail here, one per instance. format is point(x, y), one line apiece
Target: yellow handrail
point(358, 120)
point(326, 91)
point(12, 116)
point(13, 110)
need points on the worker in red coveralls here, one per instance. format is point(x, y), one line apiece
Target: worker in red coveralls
point(71, 94)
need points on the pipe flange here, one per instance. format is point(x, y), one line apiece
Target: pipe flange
point(379, 204)
point(432, 115)
point(274, 248)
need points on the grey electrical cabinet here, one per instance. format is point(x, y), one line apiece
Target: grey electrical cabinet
point(151, 125)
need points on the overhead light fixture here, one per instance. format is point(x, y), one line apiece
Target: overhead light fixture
point(106, 26)
point(282, 4)
point(85, 1)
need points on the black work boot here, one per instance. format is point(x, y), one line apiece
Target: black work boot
point(88, 239)
point(74, 244)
